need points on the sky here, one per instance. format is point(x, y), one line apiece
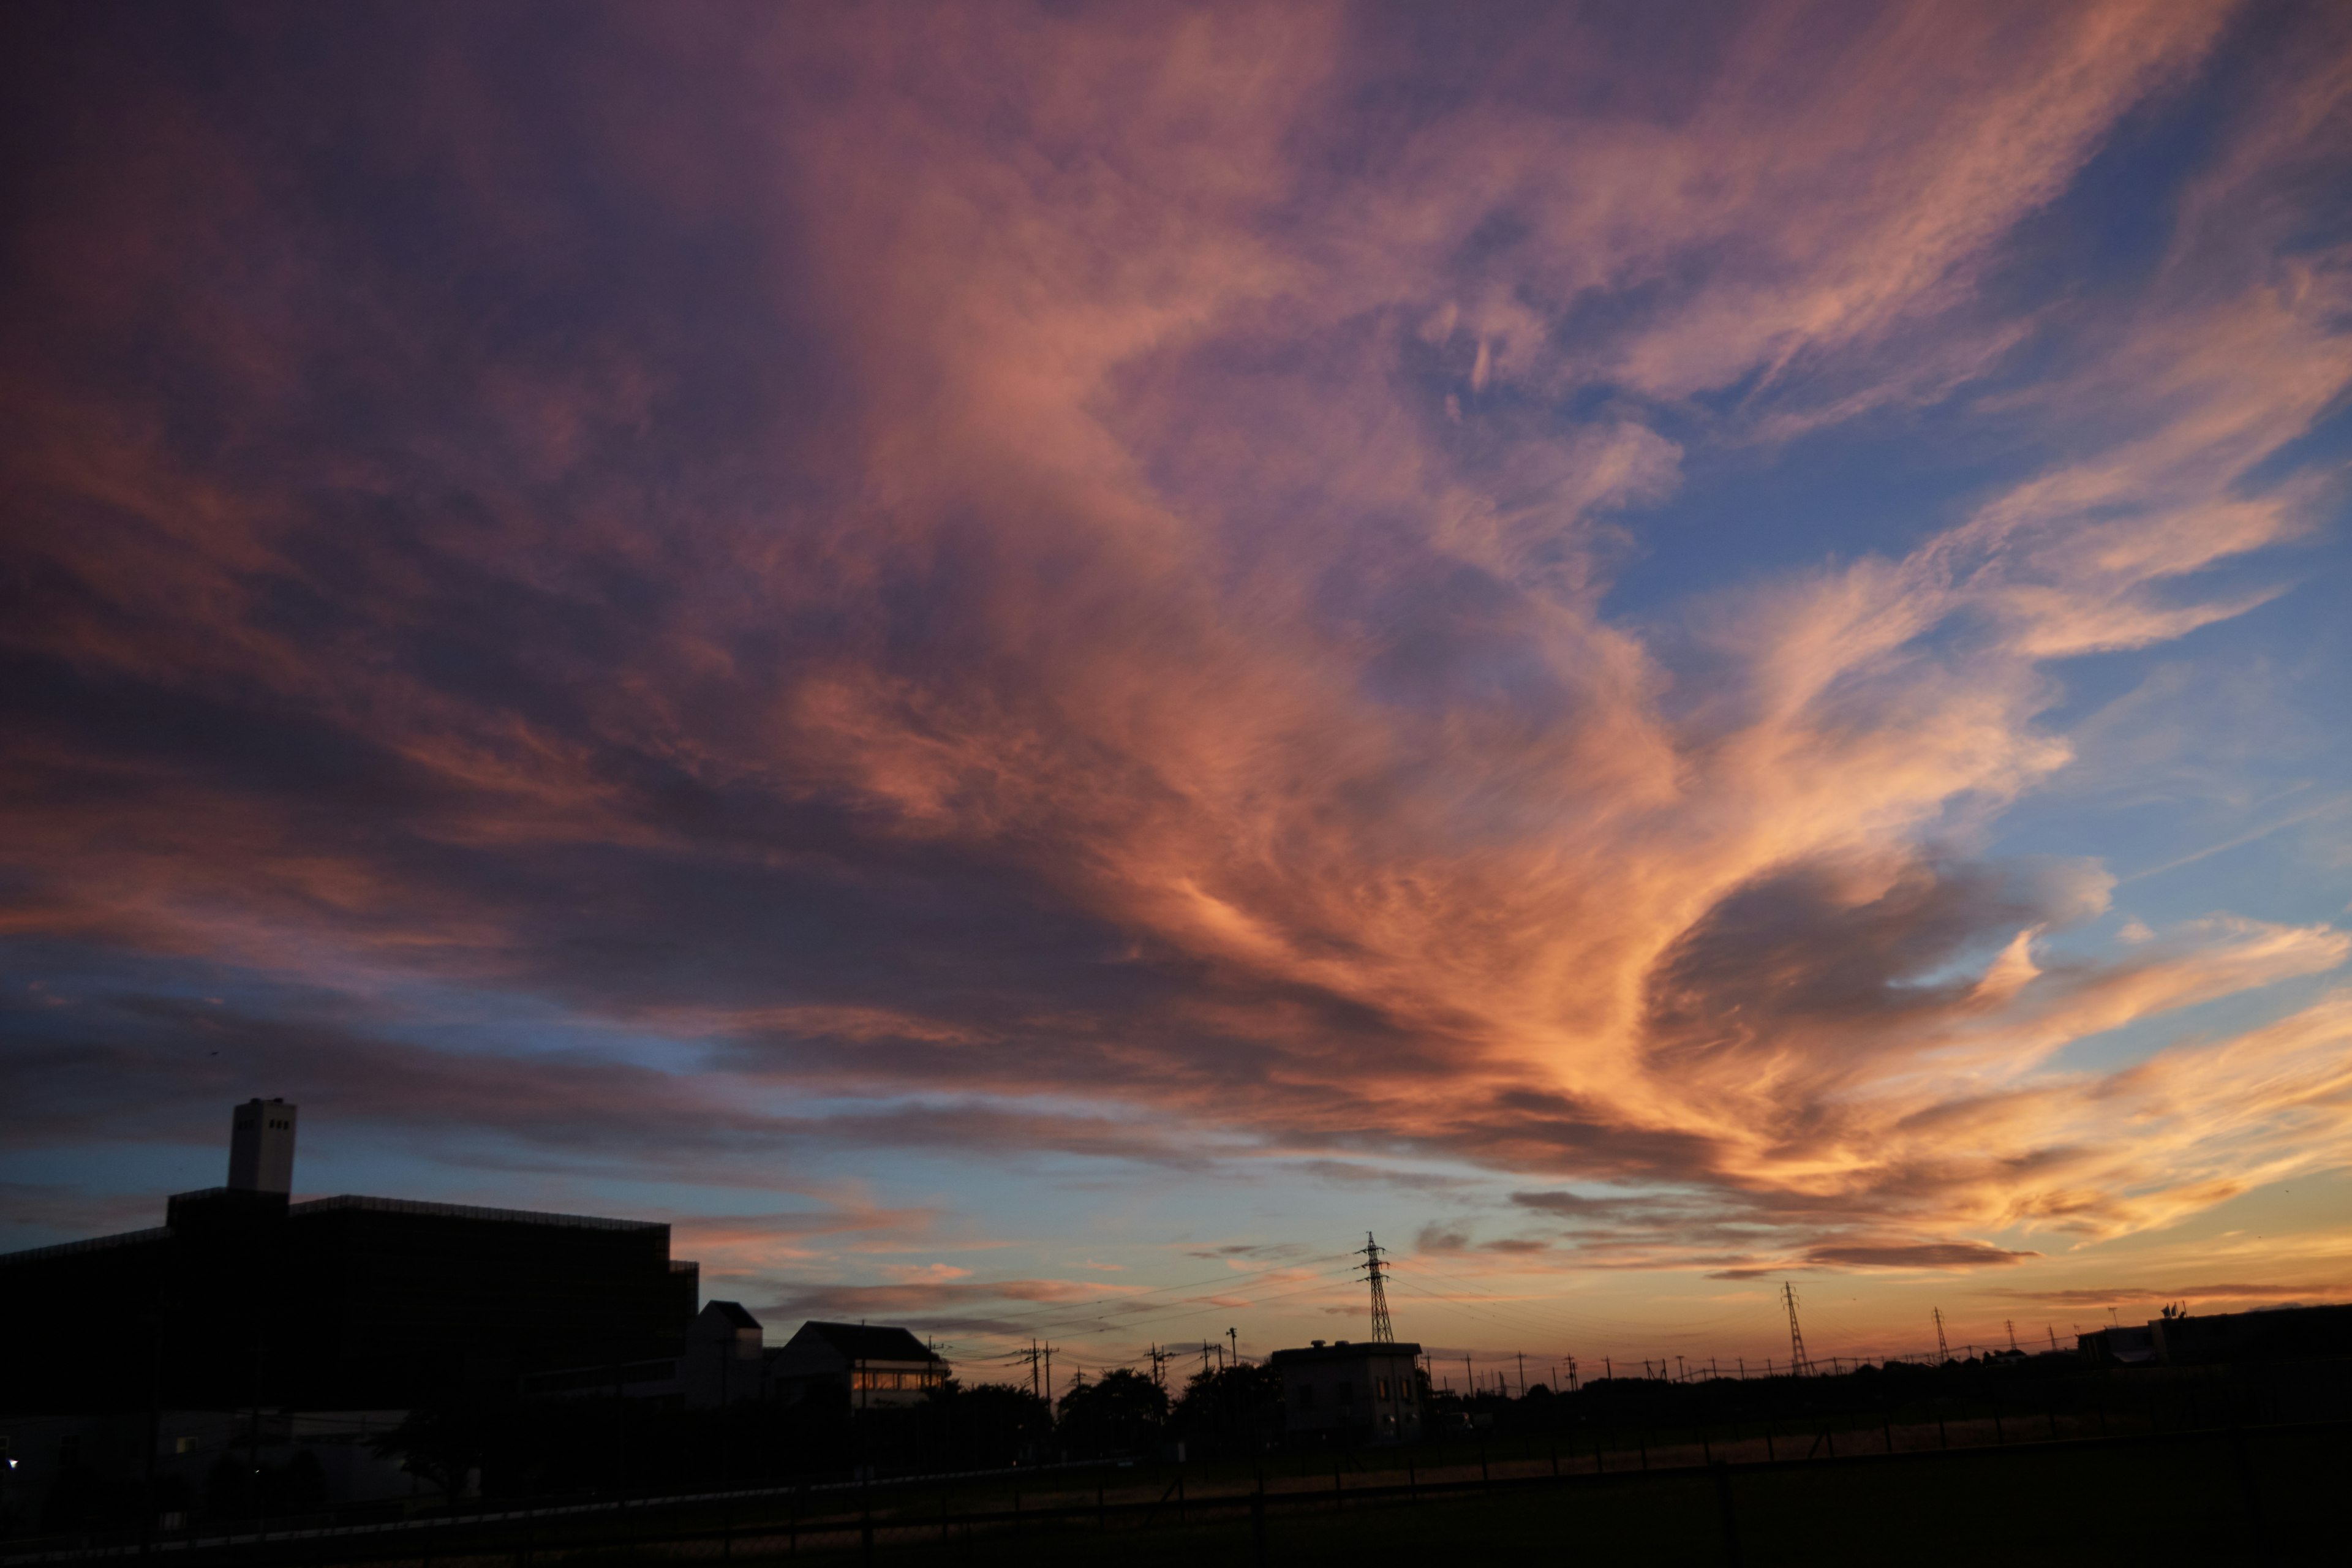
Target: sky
point(1027, 666)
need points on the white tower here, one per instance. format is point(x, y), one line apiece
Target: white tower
point(261, 1146)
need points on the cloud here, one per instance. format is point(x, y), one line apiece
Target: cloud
point(1047, 581)
point(1918, 1255)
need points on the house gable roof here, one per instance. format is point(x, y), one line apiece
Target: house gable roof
point(861, 1342)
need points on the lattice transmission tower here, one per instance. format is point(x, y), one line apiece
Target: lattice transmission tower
point(1799, 1365)
point(1943, 1351)
point(1376, 1271)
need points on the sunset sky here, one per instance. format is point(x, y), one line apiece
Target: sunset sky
point(1026, 665)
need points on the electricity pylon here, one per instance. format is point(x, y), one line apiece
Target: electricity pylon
point(1798, 1364)
point(1376, 1271)
point(1943, 1351)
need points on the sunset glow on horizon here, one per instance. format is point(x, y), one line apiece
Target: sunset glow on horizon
point(1028, 664)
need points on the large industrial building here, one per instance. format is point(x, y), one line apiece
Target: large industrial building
point(242, 1297)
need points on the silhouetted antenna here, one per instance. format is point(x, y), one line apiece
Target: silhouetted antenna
point(1798, 1364)
point(1943, 1351)
point(1376, 1271)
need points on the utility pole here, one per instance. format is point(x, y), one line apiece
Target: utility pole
point(1943, 1351)
point(1234, 1335)
point(1158, 1367)
point(1523, 1373)
point(1376, 1273)
point(1035, 1391)
point(1796, 1336)
point(1049, 1380)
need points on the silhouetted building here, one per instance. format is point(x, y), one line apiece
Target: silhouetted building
point(876, 1368)
point(2265, 1333)
point(1365, 1392)
point(726, 1357)
point(242, 1297)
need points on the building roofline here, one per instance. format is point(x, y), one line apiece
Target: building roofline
point(352, 1201)
point(87, 1244)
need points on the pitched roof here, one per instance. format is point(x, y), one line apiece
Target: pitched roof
point(733, 1312)
point(859, 1341)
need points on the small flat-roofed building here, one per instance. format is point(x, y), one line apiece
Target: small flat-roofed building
point(878, 1368)
point(1366, 1392)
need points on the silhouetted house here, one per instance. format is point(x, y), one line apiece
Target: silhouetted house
point(1364, 1391)
point(726, 1360)
point(876, 1368)
point(243, 1297)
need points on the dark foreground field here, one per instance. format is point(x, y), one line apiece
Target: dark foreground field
point(2183, 1502)
point(2260, 1494)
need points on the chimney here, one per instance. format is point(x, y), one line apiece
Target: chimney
point(261, 1147)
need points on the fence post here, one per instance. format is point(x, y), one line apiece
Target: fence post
point(1723, 1508)
point(2250, 1489)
